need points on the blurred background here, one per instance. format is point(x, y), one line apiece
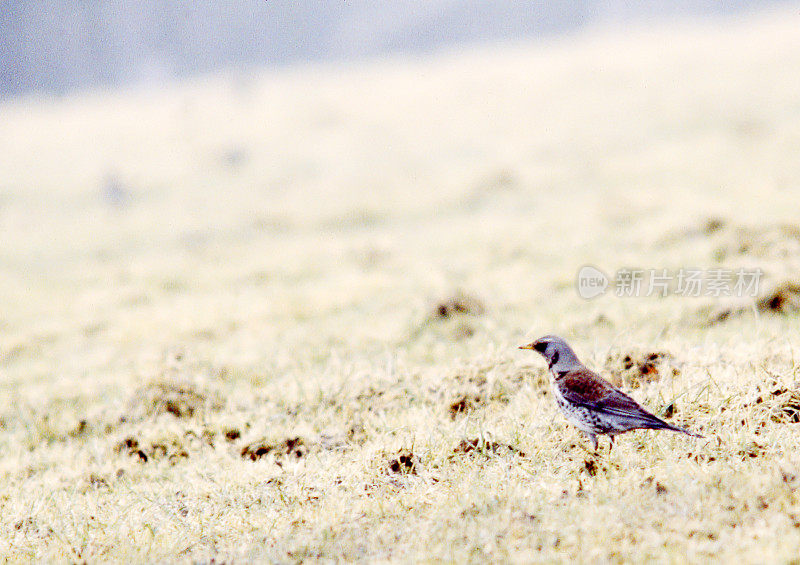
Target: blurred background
point(254, 179)
point(59, 46)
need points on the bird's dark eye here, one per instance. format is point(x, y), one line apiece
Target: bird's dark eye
point(540, 346)
point(556, 356)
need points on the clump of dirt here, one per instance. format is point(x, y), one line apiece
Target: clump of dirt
point(781, 403)
point(180, 400)
point(752, 450)
point(788, 410)
point(458, 305)
point(291, 448)
point(405, 463)
point(97, 481)
point(701, 457)
point(776, 241)
point(455, 317)
point(635, 368)
point(171, 449)
point(80, 429)
point(484, 447)
point(781, 299)
point(784, 299)
point(652, 482)
point(232, 434)
point(130, 446)
point(595, 465)
point(32, 528)
point(463, 404)
point(717, 315)
point(712, 225)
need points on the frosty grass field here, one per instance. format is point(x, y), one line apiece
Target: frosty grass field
point(274, 317)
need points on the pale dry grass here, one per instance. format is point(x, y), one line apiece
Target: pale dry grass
point(252, 348)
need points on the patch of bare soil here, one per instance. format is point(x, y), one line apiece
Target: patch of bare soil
point(782, 298)
point(458, 304)
point(182, 400)
point(404, 463)
point(634, 368)
point(485, 447)
point(289, 449)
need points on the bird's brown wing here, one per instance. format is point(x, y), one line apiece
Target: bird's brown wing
point(587, 388)
point(582, 386)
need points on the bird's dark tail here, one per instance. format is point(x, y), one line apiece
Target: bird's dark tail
point(658, 424)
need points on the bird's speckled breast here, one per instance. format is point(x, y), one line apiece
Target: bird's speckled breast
point(580, 417)
point(576, 415)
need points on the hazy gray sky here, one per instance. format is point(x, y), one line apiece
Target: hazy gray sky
point(62, 45)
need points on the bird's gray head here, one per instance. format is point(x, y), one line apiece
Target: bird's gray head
point(556, 352)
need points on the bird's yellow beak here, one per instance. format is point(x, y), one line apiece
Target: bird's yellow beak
point(529, 346)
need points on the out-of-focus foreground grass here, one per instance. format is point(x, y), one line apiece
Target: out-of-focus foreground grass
point(276, 317)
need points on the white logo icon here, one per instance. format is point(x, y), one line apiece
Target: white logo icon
point(592, 282)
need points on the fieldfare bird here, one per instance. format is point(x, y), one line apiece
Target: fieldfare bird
point(588, 401)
